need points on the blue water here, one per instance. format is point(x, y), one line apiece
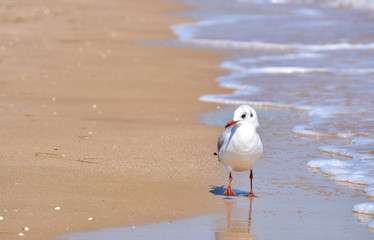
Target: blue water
point(315, 57)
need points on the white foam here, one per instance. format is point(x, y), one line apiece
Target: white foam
point(233, 85)
point(302, 130)
point(187, 31)
point(323, 111)
point(337, 46)
point(232, 66)
point(345, 135)
point(356, 70)
point(371, 224)
point(292, 56)
point(232, 78)
point(336, 151)
point(354, 178)
point(364, 208)
point(318, 163)
point(290, 70)
point(369, 190)
point(363, 140)
point(310, 12)
point(351, 171)
point(285, 70)
point(231, 82)
point(330, 170)
point(345, 152)
point(233, 44)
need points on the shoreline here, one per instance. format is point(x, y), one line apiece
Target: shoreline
point(95, 127)
point(292, 199)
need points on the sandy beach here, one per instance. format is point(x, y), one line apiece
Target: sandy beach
point(103, 128)
point(98, 131)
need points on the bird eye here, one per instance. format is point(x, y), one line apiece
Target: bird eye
point(244, 115)
point(251, 114)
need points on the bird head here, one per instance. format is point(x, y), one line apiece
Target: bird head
point(244, 115)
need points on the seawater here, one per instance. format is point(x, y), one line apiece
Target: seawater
point(310, 56)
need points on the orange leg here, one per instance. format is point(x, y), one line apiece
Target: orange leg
point(251, 194)
point(229, 191)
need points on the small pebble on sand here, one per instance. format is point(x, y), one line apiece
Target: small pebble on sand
point(57, 208)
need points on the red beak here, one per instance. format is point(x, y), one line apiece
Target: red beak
point(232, 122)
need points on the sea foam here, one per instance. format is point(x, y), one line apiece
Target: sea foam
point(278, 46)
point(187, 33)
point(371, 224)
point(351, 171)
point(369, 190)
point(303, 130)
point(364, 208)
point(291, 56)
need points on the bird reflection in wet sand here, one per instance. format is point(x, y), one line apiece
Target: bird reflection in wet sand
point(237, 224)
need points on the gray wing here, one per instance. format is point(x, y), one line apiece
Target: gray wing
point(223, 138)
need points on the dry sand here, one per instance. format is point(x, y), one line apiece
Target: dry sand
point(96, 125)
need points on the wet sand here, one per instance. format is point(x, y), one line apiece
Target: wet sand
point(98, 131)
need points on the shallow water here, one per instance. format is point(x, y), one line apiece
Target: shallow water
point(311, 56)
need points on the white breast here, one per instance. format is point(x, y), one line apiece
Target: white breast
point(240, 148)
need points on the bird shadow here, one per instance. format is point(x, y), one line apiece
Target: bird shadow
point(219, 190)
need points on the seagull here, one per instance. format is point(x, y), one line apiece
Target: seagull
point(239, 146)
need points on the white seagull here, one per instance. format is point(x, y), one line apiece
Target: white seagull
point(239, 146)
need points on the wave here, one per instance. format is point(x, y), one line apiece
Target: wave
point(354, 172)
point(187, 33)
point(336, 151)
point(293, 70)
point(351, 171)
point(272, 70)
point(243, 45)
point(291, 56)
point(303, 130)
